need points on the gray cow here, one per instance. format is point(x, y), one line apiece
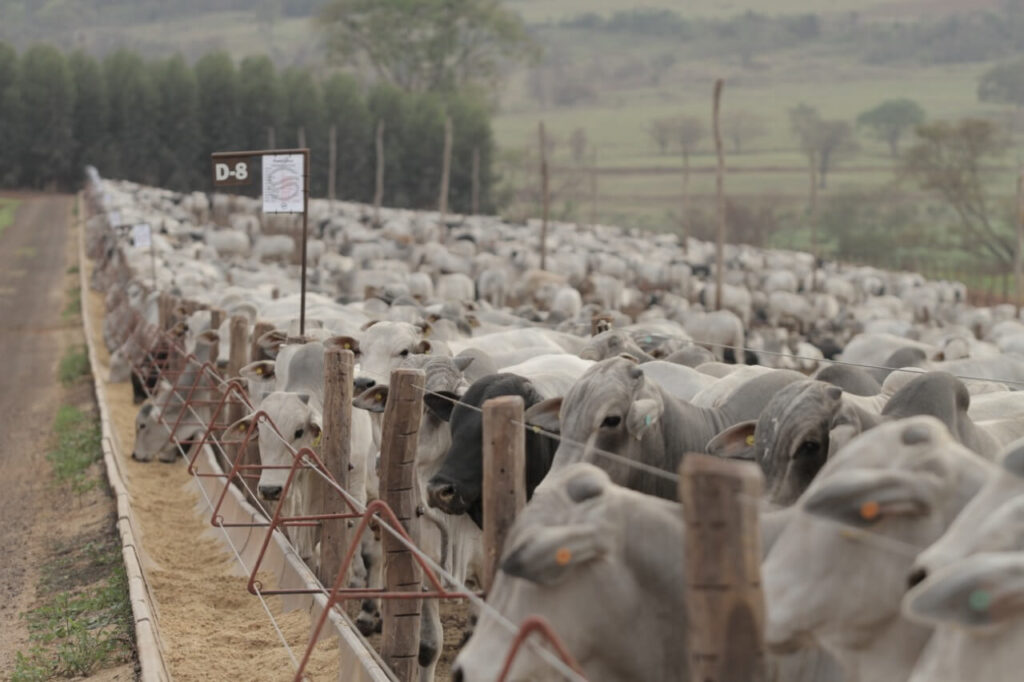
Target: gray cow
point(614, 408)
point(588, 556)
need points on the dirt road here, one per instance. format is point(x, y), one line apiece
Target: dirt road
point(32, 337)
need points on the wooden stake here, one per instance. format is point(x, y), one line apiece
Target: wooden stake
point(238, 354)
point(399, 438)
point(504, 489)
point(378, 193)
point(332, 163)
point(335, 451)
point(475, 198)
point(238, 328)
point(545, 196)
point(722, 564)
point(720, 195)
point(301, 136)
point(446, 169)
point(255, 352)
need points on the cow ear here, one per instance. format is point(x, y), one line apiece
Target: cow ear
point(546, 556)
point(424, 327)
point(343, 342)
point(463, 362)
point(304, 397)
point(441, 404)
point(241, 427)
point(261, 369)
point(544, 415)
point(982, 590)
point(271, 342)
point(423, 347)
point(370, 323)
point(372, 399)
point(643, 414)
point(864, 497)
point(736, 442)
point(146, 409)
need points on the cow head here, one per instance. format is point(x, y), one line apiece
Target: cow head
point(152, 434)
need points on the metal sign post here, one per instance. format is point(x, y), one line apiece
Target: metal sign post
point(284, 177)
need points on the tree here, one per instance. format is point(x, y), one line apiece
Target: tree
point(661, 131)
point(741, 126)
point(90, 119)
point(305, 110)
point(947, 160)
point(891, 119)
point(11, 137)
point(217, 83)
point(426, 45)
point(824, 142)
point(345, 108)
point(260, 101)
point(177, 124)
point(689, 130)
point(48, 100)
point(133, 103)
point(1003, 84)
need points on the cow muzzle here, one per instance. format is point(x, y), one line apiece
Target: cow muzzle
point(270, 493)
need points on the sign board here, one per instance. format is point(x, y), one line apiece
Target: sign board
point(142, 236)
point(231, 171)
point(283, 183)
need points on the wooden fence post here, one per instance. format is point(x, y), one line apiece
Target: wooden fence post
point(722, 561)
point(475, 193)
point(504, 491)
point(378, 192)
point(446, 169)
point(238, 329)
point(399, 437)
point(545, 196)
point(335, 451)
point(238, 355)
point(216, 318)
point(719, 194)
point(301, 137)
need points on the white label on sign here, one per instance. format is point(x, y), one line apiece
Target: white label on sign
point(142, 236)
point(115, 218)
point(224, 171)
point(283, 183)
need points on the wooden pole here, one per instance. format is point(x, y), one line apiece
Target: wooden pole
point(307, 177)
point(216, 318)
point(1018, 261)
point(238, 350)
point(545, 196)
point(722, 564)
point(446, 169)
point(593, 188)
point(399, 438)
point(332, 163)
point(475, 198)
point(271, 141)
point(504, 489)
point(378, 193)
point(301, 137)
point(335, 451)
point(720, 195)
point(238, 328)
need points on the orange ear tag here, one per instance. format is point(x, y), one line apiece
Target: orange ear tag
point(869, 510)
point(563, 556)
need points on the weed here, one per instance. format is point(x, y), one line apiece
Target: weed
point(74, 306)
point(77, 447)
point(73, 366)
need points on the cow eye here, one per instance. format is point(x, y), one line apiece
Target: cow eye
point(611, 422)
point(298, 433)
point(142, 426)
point(404, 353)
point(807, 449)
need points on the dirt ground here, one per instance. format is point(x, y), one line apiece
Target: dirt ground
point(39, 521)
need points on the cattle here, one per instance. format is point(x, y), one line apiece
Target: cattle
point(588, 556)
point(837, 570)
point(614, 409)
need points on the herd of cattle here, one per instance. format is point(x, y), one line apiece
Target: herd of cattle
point(879, 406)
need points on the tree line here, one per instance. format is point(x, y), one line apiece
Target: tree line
point(157, 121)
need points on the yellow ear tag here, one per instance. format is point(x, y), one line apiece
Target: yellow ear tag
point(259, 370)
point(316, 441)
point(563, 556)
point(750, 439)
point(348, 346)
point(378, 397)
point(869, 510)
point(242, 428)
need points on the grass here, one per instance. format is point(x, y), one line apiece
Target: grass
point(74, 304)
point(77, 448)
point(85, 628)
point(7, 209)
point(73, 366)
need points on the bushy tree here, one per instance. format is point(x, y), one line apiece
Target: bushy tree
point(90, 120)
point(824, 142)
point(48, 100)
point(11, 135)
point(217, 83)
point(1003, 84)
point(177, 124)
point(133, 103)
point(261, 104)
point(345, 108)
point(305, 112)
point(891, 120)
